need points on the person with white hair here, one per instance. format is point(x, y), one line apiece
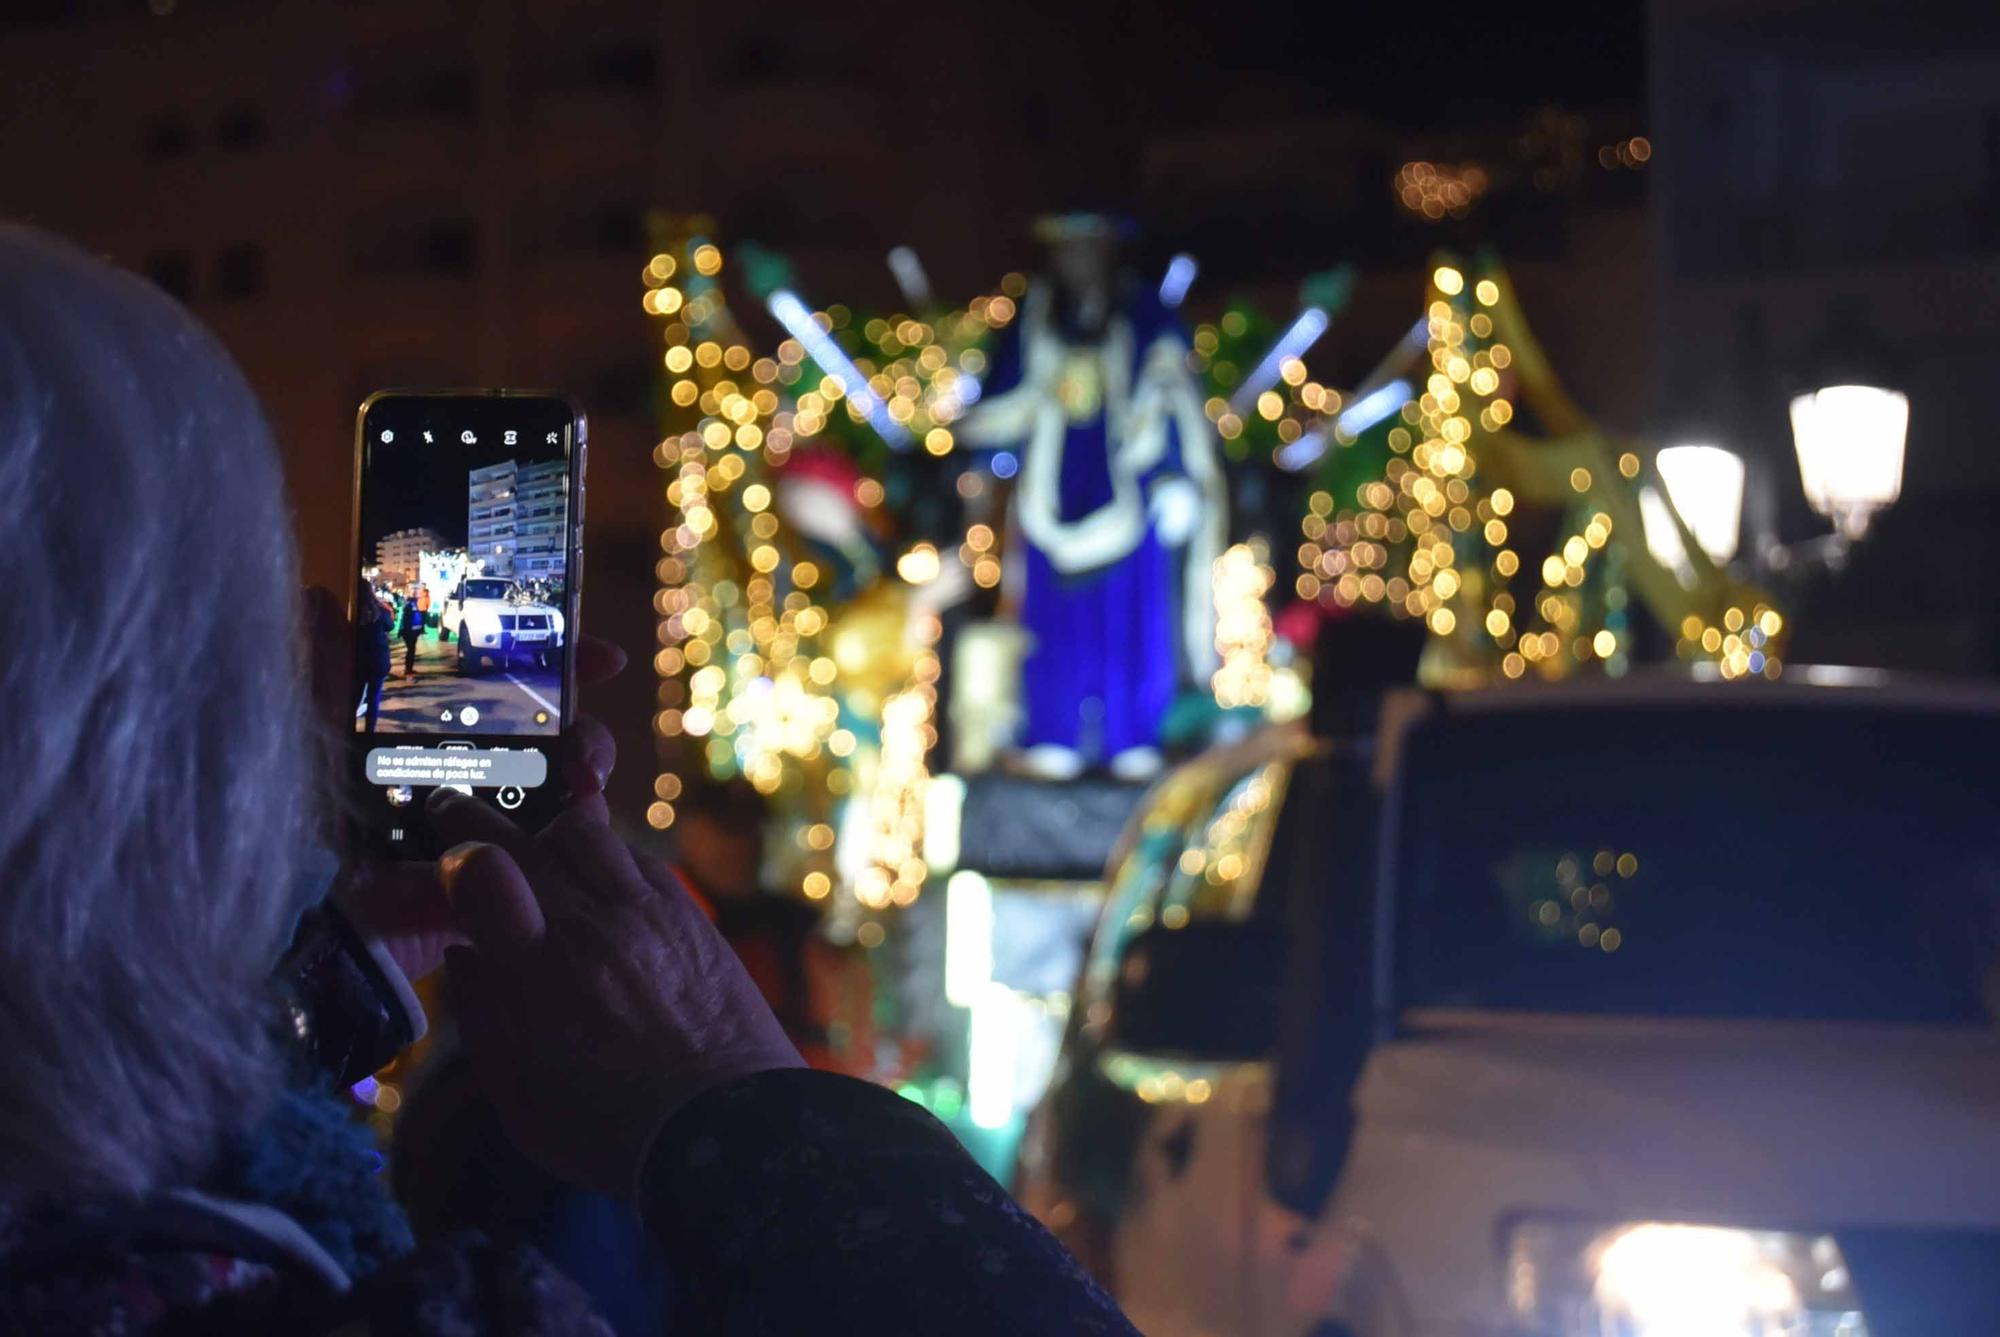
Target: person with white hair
point(176, 982)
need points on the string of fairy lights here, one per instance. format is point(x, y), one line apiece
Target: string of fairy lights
point(1742, 643)
point(896, 871)
point(746, 682)
point(928, 373)
point(1290, 405)
point(1242, 583)
point(1431, 539)
point(739, 675)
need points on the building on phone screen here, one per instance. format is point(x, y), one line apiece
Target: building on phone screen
point(400, 555)
point(540, 518)
point(515, 517)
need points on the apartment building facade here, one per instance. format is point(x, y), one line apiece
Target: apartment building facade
point(399, 555)
point(515, 518)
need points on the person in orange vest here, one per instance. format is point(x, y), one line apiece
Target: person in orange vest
point(424, 604)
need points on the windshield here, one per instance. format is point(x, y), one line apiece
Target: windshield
point(1788, 863)
point(488, 589)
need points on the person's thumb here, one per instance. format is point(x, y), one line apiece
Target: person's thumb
point(491, 900)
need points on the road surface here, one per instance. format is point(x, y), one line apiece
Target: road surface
point(512, 699)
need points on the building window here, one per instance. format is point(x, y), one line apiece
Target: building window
point(447, 248)
point(442, 90)
point(173, 271)
point(239, 270)
point(766, 57)
point(402, 245)
point(239, 127)
point(630, 65)
point(558, 223)
point(621, 64)
point(168, 135)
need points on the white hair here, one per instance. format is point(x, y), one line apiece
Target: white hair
point(155, 753)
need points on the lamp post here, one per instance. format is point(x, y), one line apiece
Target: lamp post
point(1850, 441)
point(1849, 425)
point(1700, 486)
point(1705, 485)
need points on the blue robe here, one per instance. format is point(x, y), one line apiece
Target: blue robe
point(1106, 600)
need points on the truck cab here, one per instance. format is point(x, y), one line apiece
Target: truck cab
point(495, 619)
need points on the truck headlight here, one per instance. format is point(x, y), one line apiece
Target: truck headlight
point(1668, 1279)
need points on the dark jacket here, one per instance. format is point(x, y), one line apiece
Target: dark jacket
point(411, 623)
point(785, 1203)
point(371, 647)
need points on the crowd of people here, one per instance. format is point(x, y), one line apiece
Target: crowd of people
point(190, 973)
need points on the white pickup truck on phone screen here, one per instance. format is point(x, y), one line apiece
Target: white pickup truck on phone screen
point(494, 619)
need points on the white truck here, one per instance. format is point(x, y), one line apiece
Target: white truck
point(1641, 1009)
point(494, 619)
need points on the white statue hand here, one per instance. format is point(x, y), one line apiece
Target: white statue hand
point(952, 586)
point(1175, 508)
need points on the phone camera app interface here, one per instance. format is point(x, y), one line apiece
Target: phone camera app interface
point(459, 613)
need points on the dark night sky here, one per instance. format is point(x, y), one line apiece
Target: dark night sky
point(1422, 66)
point(1374, 58)
point(1380, 58)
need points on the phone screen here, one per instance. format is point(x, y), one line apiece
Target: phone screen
point(465, 600)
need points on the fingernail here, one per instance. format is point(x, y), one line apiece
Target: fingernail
point(449, 861)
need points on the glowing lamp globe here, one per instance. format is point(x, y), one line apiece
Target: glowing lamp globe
point(1705, 484)
point(1663, 535)
point(1850, 445)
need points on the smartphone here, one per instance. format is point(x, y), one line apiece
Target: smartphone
point(467, 582)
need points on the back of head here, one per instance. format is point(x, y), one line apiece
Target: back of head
point(154, 750)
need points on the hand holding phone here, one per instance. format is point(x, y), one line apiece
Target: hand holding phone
point(399, 902)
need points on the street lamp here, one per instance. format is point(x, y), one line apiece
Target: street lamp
point(1663, 534)
point(1705, 485)
point(1850, 446)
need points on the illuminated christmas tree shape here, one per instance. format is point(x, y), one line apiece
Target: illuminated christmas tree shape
point(1520, 550)
point(743, 686)
point(763, 672)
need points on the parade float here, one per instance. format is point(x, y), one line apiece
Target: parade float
point(949, 586)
